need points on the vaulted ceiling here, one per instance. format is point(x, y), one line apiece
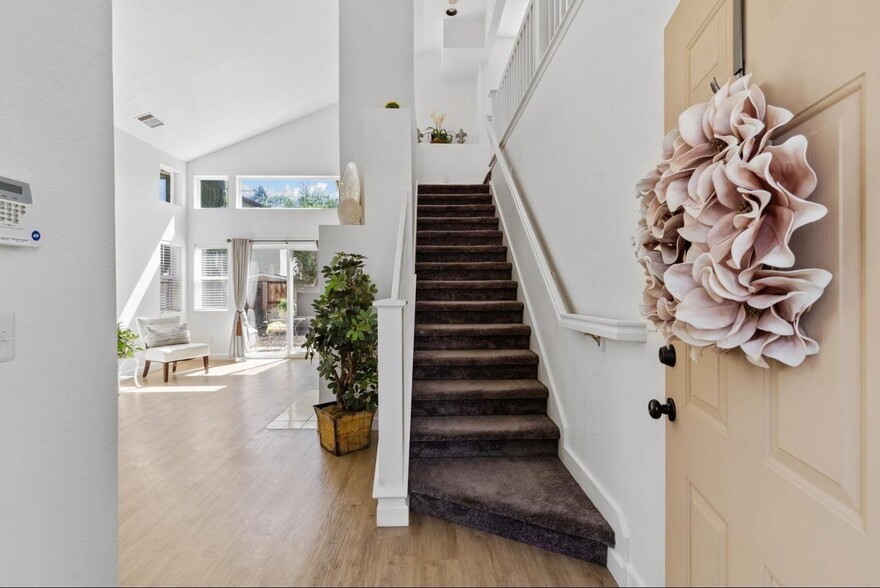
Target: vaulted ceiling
point(219, 71)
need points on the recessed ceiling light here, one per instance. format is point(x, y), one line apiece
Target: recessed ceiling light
point(150, 120)
point(451, 12)
point(453, 1)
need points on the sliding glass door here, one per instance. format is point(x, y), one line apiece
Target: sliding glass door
point(282, 283)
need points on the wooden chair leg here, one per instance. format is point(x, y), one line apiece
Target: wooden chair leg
point(205, 361)
point(174, 369)
point(146, 368)
point(165, 371)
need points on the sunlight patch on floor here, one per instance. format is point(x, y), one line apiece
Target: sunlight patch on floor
point(299, 415)
point(249, 367)
point(154, 389)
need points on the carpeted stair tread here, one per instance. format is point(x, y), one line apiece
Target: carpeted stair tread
point(468, 224)
point(456, 210)
point(454, 199)
point(474, 357)
point(535, 490)
point(477, 389)
point(483, 428)
point(465, 284)
point(472, 330)
point(469, 305)
point(444, 237)
point(453, 189)
point(463, 271)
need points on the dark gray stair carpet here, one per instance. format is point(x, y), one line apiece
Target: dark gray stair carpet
point(471, 254)
point(466, 290)
point(483, 450)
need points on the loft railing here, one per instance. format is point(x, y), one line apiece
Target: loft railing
point(396, 334)
point(542, 25)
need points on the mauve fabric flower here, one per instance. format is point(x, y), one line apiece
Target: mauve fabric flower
point(766, 322)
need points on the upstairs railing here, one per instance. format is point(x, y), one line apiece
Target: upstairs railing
point(396, 333)
point(542, 23)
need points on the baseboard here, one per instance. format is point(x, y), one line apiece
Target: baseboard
point(623, 572)
point(603, 502)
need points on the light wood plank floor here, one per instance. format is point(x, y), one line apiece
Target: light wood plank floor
point(208, 497)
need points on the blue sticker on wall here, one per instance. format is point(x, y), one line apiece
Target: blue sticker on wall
point(36, 235)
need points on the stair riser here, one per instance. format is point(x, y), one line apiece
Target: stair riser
point(464, 274)
point(475, 372)
point(466, 294)
point(458, 317)
point(465, 224)
point(455, 342)
point(488, 448)
point(460, 238)
point(453, 189)
point(469, 212)
point(454, 199)
point(479, 407)
point(577, 547)
point(461, 257)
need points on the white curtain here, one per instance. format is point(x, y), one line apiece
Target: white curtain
point(241, 260)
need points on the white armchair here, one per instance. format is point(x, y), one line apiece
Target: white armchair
point(169, 354)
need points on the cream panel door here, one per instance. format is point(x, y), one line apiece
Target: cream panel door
point(773, 476)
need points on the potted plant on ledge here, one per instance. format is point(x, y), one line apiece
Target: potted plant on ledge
point(438, 133)
point(344, 336)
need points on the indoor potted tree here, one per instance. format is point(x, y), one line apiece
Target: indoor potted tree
point(344, 336)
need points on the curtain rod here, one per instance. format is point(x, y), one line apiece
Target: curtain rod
point(279, 240)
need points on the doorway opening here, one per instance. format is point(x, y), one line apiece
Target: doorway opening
point(282, 284)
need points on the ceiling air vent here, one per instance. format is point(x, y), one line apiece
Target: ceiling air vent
point(150, 120)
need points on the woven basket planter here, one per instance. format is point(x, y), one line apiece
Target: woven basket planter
point(343, 432)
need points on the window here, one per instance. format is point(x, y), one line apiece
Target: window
point(288, 192)
point(165, 186)
point(170, 290)
point(212, 281)
point(169, 185)
point(212, 192)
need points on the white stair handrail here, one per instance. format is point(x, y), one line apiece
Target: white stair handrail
point(611, 328)
point(396, 317)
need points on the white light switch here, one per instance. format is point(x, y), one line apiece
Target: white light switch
point(7, 336)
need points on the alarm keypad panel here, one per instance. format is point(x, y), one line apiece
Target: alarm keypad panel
point(19, 226)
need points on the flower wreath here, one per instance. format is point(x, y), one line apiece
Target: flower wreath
point(716, 217)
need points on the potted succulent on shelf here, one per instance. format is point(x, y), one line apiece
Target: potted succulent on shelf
point(438, 133)
point(345, 336)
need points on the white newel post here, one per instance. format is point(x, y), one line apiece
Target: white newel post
point(390, 484)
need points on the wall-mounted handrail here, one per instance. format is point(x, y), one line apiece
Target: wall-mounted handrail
point(612, 328)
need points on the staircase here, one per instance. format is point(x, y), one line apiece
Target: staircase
point(483, 452)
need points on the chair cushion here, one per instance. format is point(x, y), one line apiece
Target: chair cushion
point(164, 336)
point(169, 353)
point(161, 322)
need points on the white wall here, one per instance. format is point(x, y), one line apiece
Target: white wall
point(387, 177)
point(452, 164)
point(307, 147)
point(591, 130)
point(142, 223)
point(58, 419)
point(375, 65)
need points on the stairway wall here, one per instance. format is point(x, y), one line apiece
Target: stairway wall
point(577, 173)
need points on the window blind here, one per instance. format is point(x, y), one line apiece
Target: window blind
point(213, 279)
point(170, 286)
